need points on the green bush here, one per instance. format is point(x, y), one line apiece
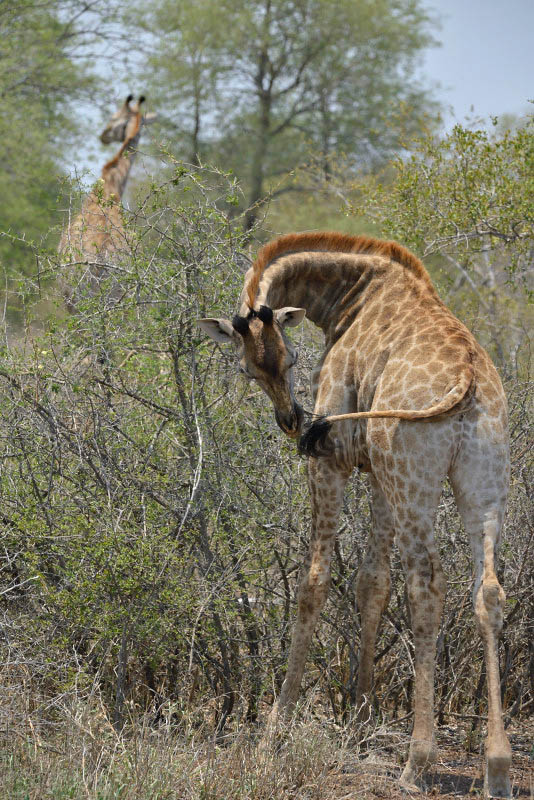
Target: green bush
point(154, 520)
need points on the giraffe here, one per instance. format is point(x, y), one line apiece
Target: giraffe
point(97, 232)
point(402, 391)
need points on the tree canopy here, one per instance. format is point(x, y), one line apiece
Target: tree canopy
point(465, 203)
point(44, 72)
point(264, 86)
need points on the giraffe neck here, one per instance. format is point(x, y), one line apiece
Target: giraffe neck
point(116, 172)
point(335, 287)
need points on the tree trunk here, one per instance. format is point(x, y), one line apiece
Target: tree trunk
point(195, 144)
point(264, 95)
point(258, 165)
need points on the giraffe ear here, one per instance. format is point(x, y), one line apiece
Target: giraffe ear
point(149, 118)
point(289, 316)
point(220, 330)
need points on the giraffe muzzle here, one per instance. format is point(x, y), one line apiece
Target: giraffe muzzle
point(290, 423)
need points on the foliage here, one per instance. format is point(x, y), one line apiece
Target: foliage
point(467, 194)
point(154, 520)
point(130, 520)
point(465, 203)
point(264, 86)
point(43, 70)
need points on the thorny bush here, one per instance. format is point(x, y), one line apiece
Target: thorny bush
point(154, 518)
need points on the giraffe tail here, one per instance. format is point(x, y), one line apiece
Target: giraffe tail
point(313, 441)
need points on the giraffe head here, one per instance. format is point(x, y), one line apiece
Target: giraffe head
point(125, 123)
point(266, 355)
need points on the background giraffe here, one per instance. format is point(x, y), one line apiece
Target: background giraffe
point(97, 233)
point(412, 398)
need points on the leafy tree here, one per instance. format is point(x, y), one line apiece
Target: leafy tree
point(466, 204)
point(43, 70)
point(186, 66)
point(273, 81)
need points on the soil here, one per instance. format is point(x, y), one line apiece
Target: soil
point(457, 773)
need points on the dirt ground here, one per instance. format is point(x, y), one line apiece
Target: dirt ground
point(456, 773)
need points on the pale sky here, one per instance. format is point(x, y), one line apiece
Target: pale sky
point(487, 56)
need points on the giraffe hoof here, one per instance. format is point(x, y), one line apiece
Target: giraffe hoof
point(408, 783)
point(497, 777)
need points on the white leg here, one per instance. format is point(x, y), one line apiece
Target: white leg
point(488, 600)
point(481, 507)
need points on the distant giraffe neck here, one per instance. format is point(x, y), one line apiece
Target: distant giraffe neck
point(116, 172)
point(334, 287)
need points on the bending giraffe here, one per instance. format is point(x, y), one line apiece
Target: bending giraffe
point(97, 233)
point(404, 392)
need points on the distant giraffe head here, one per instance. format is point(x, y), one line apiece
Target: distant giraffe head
point(126, 122)
point(266, 354)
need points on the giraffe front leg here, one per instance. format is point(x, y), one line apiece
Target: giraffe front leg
point(326, 485)
point(372, 591)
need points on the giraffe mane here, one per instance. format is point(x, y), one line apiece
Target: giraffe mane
point(330, 241)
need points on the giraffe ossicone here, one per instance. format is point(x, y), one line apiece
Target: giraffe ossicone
point(405, 391)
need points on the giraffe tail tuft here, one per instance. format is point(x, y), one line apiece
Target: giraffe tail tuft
point(313, 441)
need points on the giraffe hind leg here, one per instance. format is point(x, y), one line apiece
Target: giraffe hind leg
point(426, 591)
point(425, 581)
point(482, 514)
point(489, 602)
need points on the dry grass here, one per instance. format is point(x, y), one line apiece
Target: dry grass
point(88, 760)
point(78, 754)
